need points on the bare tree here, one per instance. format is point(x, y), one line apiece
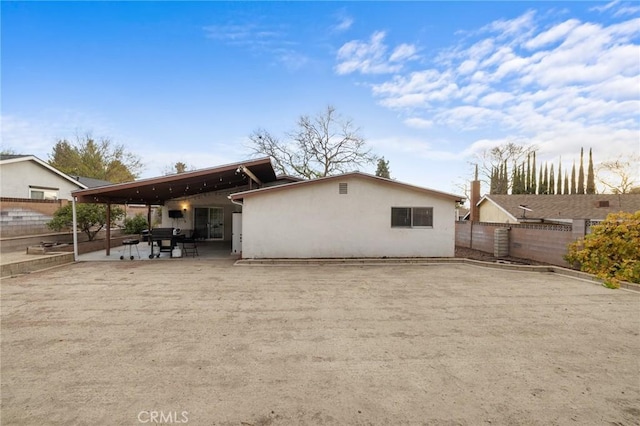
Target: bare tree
point(322, 145)
point(510, 153)
point(621, 174)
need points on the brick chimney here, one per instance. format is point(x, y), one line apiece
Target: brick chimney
point(475, 197)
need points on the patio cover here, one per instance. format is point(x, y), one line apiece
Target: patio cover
point(156, 191)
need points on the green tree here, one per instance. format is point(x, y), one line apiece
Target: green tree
point(552, 182)
point(323, 145)
point(135, 224)
point(591, 179)
point(559, 189)
point(534, 185)
point(91, 218)
point(581, 173)
point(573, 178)
point(566, 183)
point(611, 251)
point(178, 167)
point(383, 168)
point(98, 159)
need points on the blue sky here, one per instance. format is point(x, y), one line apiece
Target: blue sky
point(430, 84)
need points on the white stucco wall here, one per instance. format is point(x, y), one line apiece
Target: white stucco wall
point(314, 220)
point(15, 179)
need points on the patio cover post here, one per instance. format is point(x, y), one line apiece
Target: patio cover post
point(108, 232)
point(75, 229)
point(149, 224)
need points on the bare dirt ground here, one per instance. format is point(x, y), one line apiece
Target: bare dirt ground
point(214, 344)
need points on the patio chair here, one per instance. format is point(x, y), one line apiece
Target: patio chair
point(190, 245)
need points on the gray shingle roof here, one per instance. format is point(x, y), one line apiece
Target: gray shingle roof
point(577, 206)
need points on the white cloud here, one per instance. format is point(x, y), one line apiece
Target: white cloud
point(605, 7)
point(403, 52)
point(618, 8)
point(516, 27)
point(260, 39)
point(552, 35)
point(344, 23)
point(496, 99)
point(370, 57)
point(559, 83)
point(418, 123)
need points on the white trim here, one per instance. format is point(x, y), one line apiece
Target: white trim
point(45, 165)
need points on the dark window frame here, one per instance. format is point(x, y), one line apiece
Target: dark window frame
point(405, 217)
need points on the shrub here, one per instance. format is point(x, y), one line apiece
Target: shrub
point(136, 224)
point(611, 251)
point(90, 218)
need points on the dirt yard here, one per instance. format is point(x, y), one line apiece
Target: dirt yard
point(216, 344)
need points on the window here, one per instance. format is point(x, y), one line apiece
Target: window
point(411, 217)
point(36, 193)
point(423, 216)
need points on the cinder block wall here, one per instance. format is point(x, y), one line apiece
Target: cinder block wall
point(22, 216)
point(541, 243)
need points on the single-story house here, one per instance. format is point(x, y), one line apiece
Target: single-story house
point(547, 208)
point(348, 215)
point(263, 215)
point(27, 176)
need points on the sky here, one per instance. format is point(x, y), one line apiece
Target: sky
point(431, 85)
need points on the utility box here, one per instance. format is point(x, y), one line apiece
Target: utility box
point(236, 233)
point(501, 242)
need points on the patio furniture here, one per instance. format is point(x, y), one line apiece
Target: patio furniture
point(190, 245)
point(129, 243)
point(165, 240)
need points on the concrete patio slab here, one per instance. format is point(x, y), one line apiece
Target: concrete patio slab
point(213, 343)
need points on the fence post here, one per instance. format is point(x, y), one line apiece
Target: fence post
point(578, 229)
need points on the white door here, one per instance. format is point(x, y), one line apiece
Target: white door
point(236, 233)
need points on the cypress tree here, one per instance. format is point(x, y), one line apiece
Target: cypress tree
point(573, 178)
point(528, 177)
point(534, 186)
point(541, 183)
point(559, 189)
point(581, 173)
point(494, 181)
point(566, 183)
point(505, 179)
point(552, 182)
point(546, 179)
point(591, 182)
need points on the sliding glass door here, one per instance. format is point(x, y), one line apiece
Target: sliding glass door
point(209, 223)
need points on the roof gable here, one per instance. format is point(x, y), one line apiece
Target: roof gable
point(357, 175)
point(12, 159)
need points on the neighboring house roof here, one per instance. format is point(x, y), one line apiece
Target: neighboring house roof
point(10, 159)
point(91, 182)
point(563, 207)
point(377, 179)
